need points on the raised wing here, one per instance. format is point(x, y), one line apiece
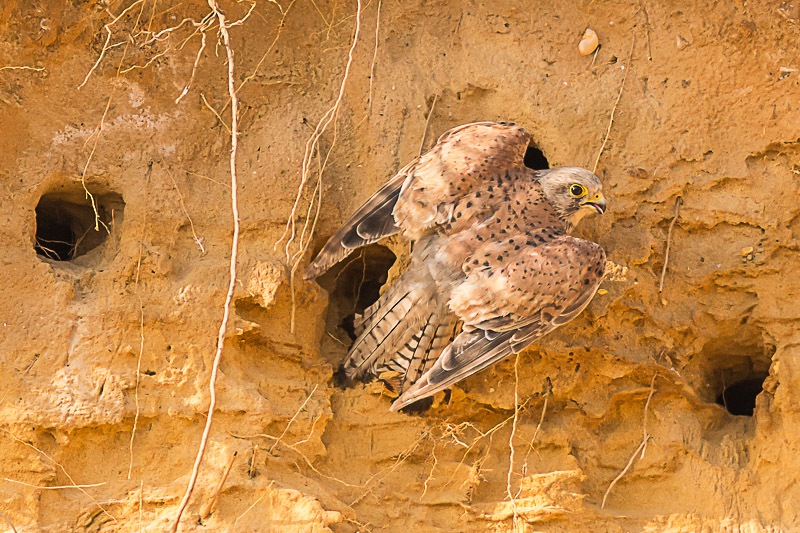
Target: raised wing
point(464, 158)
point(372, 222)
point(507, 304)
point(424, 193)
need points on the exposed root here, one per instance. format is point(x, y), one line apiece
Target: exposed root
point(97, 133)
point(204, 26)
point(295, 261)
point(136, 389)
point(290, 232)
point(293, 448)
point(54, 487)
point(207, 178)
point(206, 510)
point(64, 471)
point(141, 503)
point(197, 240)
point(165, 33)
point(642, 445)
point(107, 27)
point(278, 441)
point(141, 321)
point(147, 64)
point(482, 435)
point(89, 160)
point(185, 90)
point(378, 476)
point(294, 417)
point(401, 458)
point(614, 109)
point(511, 442)
point(678, 204)
point(430, 474)
point(214, 111)
point(21, 67)
point(548, 390)
point(250, 77)
point(235, 522)
point(223, 29)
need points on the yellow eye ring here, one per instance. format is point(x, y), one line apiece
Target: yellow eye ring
point(577, 191)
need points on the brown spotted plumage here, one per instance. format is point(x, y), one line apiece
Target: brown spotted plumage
point(493, 266)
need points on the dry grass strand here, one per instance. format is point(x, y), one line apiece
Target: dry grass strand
point(206, 510)
point(616, 103)
point(511, 442)
point(290, 232)
point(678, 204)
point(641, 447)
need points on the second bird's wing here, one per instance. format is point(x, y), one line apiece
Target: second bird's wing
point(507, 305)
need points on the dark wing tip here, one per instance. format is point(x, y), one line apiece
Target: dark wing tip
point(312, 272)
point(327, 257)
point(401, 402)
point(343, 379)
point(317, 267)
point(331, 253)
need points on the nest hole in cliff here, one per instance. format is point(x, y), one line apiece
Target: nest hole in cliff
point(736, 367)
point(69, 225)
point(355, 284)
point(739, 398)
point(535, 159)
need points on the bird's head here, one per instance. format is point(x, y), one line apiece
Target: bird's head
point(574, 192)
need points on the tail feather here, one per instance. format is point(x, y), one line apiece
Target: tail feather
point(386, 329)
point(402, 333)
point(432, 339)
point(372, 222)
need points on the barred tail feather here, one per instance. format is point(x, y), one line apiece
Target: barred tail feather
point(434, 337)
point(385, 329)
point(402, 333)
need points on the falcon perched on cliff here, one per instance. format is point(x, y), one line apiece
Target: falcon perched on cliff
point(492, 253)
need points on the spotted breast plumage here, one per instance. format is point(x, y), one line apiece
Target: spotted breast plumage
point(493, 267)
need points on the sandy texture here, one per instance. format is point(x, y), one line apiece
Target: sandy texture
point(709, 112)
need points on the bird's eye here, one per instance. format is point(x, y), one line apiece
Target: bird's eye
point(577, 191)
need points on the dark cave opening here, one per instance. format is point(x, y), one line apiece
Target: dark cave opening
point(535, 159)
point(68, 225)
point(355, 284)
point(739, 398)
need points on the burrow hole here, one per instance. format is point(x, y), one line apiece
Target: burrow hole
point(739, 398)
point(355, 284)
point(535, 159)
point(66, 224)
point(735, 369)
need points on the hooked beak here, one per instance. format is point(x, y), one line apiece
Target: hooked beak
point(596, 202)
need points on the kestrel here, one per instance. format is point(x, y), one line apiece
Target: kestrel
point(492, 254)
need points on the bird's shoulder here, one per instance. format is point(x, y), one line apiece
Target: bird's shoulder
point(463, 160)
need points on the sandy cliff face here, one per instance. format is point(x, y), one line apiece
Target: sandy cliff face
point(108, 336)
